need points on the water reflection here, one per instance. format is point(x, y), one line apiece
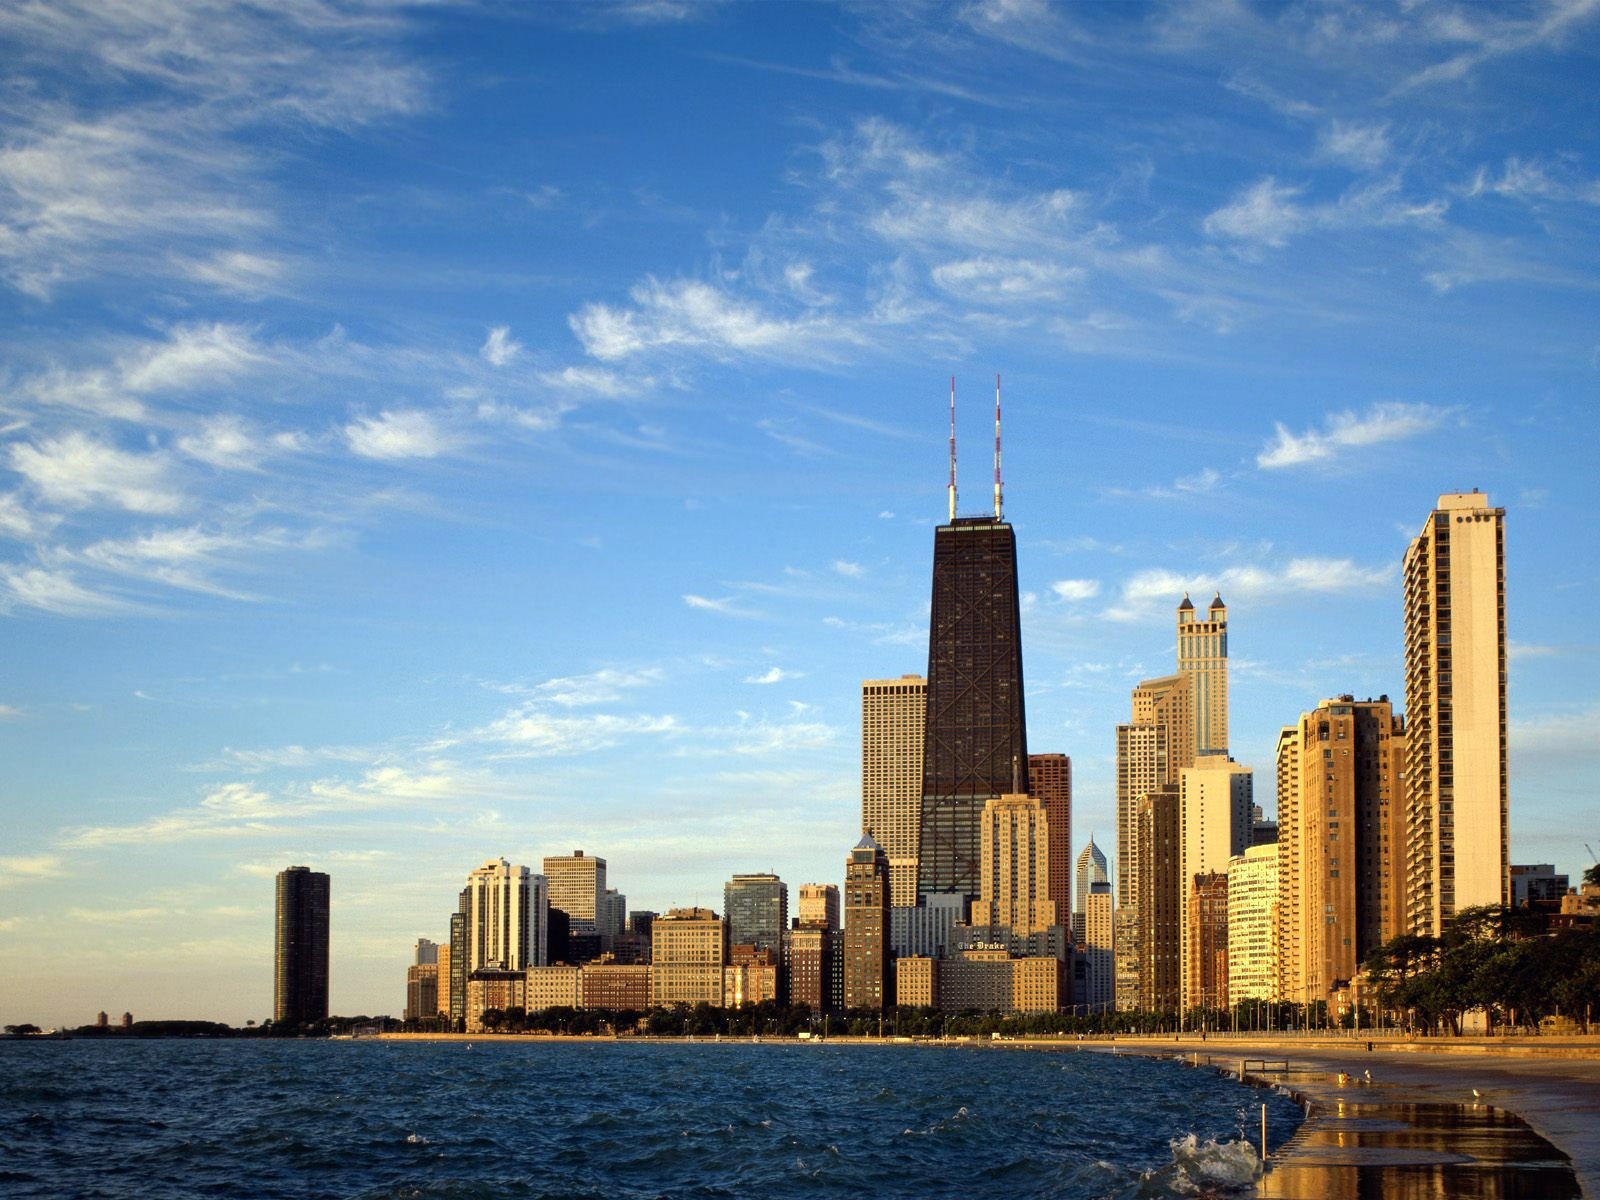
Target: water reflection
point(1418, 1152)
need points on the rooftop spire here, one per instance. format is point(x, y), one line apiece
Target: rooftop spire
point(952, 488)
point(999, 504)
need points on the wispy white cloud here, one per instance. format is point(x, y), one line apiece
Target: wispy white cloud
point(499, 348)
point(687, 314)
point(1356, 144)
point(54, 591)
point(1268, 213)
point(1076, 589)
point(728, 606)
point(1533, 180)
point(9, 712)
point(850, 570)
point(773, 675)
point(403, 434)
point(19, 869)
point(596, 687)
point(1149, 591)
point(1341, 432)
point(78, 471)
point(531, 732)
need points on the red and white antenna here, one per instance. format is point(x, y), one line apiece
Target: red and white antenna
point(999, 503)
point(952, 488)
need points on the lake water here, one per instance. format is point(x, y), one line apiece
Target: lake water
point(614, 1120)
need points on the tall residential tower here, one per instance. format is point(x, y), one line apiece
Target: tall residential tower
point(300, 978)
point(893, 729)
point(1455, 664)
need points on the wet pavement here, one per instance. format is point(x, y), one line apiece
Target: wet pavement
point(1412, 1151)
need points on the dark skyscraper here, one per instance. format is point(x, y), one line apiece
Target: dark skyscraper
point(300, 991)
point(976, 746)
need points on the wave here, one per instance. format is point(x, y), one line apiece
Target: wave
point(1203, 1167)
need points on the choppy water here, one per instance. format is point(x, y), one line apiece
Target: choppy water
point(615, 1120)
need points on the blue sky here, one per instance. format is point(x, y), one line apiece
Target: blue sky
point(431, 434)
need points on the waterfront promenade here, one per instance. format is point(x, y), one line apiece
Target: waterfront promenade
point(1552, 1083)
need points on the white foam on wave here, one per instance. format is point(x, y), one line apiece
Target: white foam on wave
point(1203, 1168)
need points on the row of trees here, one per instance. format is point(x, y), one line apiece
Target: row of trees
point(1499, 960)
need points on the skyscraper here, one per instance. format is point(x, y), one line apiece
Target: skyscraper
point(894, 727)
point(1156, 743)
point(507, 918)
point(1091, 871)
point(1014, 880)
point(578, 888)
point(1455, 664)
point(1340, 781)
point(300, 976)
point(1050, 780)
point(756, 908)
point(819, 903)
point(1098, 947)
point(1203, 657)
point(867, 982)
point(1216, 797)
point(976, 730)
point(1253, 925)
point(1206, 953)
point(1160, 900)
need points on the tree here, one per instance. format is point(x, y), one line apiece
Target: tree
point(1592, 875)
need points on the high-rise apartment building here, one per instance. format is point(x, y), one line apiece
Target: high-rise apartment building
point(422, 991)
point(1206, 928)
point(689, 948)
point(1014, 881)
point(460, 945)
point(426, 951)
point(894, 727)
point(810, 954)
point(577, 888)
point(867, 982)
point(507, 918)
point(1098, 948)
point(1050, 782)
point(1253, 925)
point(1455, 663)
point(1215, 799)
point(1127, 958)
point(1156, 743)
point(446, 981)
point(976, 731)
point(613, 920)
point(300, 976)
point(756, 908)
point(1341, 831)
point(1160, 900)
point(819, 902)
point(1091, 871)
point(1203, 657)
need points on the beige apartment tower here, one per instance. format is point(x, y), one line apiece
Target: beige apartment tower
point(893, 732)
point(1253, 925)
point(578, 888)
point(1215, 798)
point(507, 919)
point(688, 950)
point(1014, 867)
point(1203, 657)
point(819, 905)
point(1455, 666)
point(1152, 748)
point(867, 982)
point(1340, 796)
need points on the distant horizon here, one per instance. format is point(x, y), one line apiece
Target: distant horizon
point(442, 436)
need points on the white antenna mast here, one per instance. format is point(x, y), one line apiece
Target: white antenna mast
point(999, 502)
point(952, 488)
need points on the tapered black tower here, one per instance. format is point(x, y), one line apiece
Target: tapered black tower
point(300, 992)
point(977, 745)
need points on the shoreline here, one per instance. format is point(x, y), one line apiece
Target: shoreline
point(1550, 1083)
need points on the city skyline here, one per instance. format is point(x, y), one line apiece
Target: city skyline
point(594, 542)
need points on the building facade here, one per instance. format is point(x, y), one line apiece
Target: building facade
point(300, 967)
point(493, 988)
point(819, 902)
point(1203, 658)
point(1014, 877)
point(689, 948)
point(553, 986)
point(1050, 782)
point(614, 986)
point(577, 886)
point(1098, 949)
point(1216, 797)
point(507, 917)
point(976, 730)
point(1091, 871)
point(422, 991)
point(867, 965)
point(1457, 850)
point(753, 976)
point(894, 720)
point(1207, 931)
point(810, 954)
point(1340, 781)
point(1253, 926)
point(1160, 901)
point(756, 908)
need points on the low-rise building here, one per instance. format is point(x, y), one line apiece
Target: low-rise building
point(751, 976)
point(554, 986)
point(916, 981)
point(614, 986)
point(493, 988)
point(689, 949)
